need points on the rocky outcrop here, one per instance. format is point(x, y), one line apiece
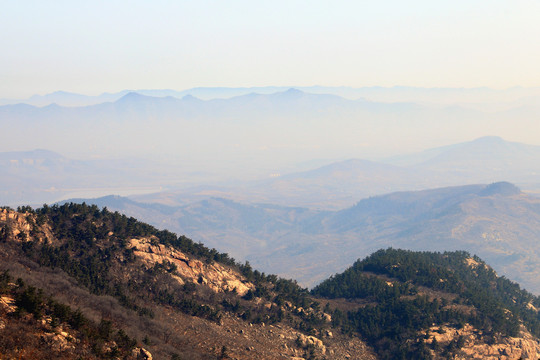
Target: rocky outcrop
point(59, 341)
point(20, 226)
point(7, 304)
point(475, 346)
point(141, 354)
point(18, 222)
point(215, 276)
point(307, 341)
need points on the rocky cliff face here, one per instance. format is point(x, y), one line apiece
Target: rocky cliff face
point(215, 276)
point(476, 345)
point(19, 227)
point(17, 223)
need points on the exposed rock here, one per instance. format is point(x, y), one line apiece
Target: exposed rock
point(472, 263)
point(204, 338)
point(20, 225)
point(288, 304)
point(141, 354)
point(59, 342)
point(17, 221)
point(311, 341)
point(215, 276)
point(7, 304)
point(532, 307)
point(327, 317)
point(475, 346)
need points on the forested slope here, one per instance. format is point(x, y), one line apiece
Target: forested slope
point(80, 281)
point(401, 296)
point(153, 292)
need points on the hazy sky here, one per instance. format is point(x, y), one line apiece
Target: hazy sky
point(96, 46)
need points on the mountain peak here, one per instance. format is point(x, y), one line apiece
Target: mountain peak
point(500, 188)
point(190, 97)
point(131, 96)
point(292, 93)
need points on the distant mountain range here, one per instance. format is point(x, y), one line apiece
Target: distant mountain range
point(42, 176)
point(471, 96)
point(253, 134)
point(497, 222)
point(214, 162)
point(341, 184)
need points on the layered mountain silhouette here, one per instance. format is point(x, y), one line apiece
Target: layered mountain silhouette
point(497, 222)
point(341, 184)
point(472, 97)
point(333, 186)
point(252, 132)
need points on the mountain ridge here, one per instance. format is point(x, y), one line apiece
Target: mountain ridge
point(162, 293)
point(392, 93)
point(117, 287)
point(333, 186)
point(484, 219)
point(162, 126)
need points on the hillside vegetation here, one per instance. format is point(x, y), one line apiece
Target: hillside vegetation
point(405, 293)
point(156, 292)
point(80, 281)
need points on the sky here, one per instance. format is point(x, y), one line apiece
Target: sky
point(92, 47)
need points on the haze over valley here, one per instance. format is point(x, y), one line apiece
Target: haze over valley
point(272, 205)
point(270, 180)
point(271, 147)
point(261, 176)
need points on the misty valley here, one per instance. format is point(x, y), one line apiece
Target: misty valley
point(272, 223)
point(269, 180)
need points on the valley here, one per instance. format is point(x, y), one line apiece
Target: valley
point(497, 222)
point(269, 180)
